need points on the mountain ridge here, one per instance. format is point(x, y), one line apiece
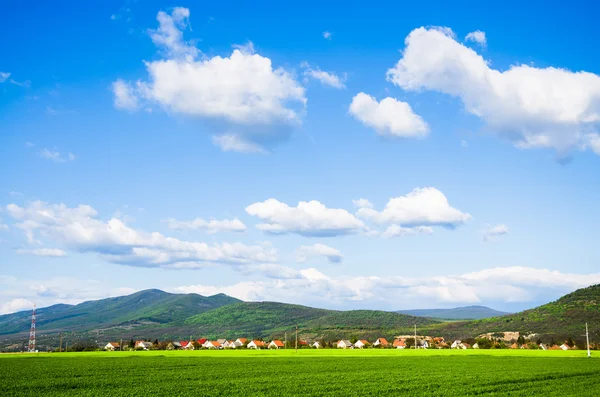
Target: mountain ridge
point(473, 312)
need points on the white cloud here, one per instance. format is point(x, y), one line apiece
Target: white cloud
point(211, 226)
point(16, 305)
point(236, 143)
point(80, 229)
point(532, 107)
point(421, 207)
point(488, 286)
point(56, 156)
point(399, 231)
point(247, 101)
point(477, 37)
point(51, 252)
point(390, 117)
point(362, 203)
point(326, 78)
point(311, 219)
point(492, 232)
point(327, 35)
point(306, 252)
point(4, 76)
point(125, 97)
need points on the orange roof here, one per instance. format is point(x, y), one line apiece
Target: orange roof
point(399, 342)
point(383, 341)
point(278, 343)
point(243, 340)
point(514, 346)
point(114, 344)
point(364, 341)
point(215, 343)
point(259, 343)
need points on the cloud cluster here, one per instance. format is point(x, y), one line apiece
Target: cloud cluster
point(477, 37)
point(532, 107)
point(56, 156)
point(311, 219)
point(248, 102)
point(389, 117)
point(212, 226)
point(326, 78)
point(80, 229)
point(306, 252)
point(421, 207)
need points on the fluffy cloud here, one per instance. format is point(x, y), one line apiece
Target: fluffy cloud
point(489, 286)
point(421, 207)
point(16, 305)
point(532, 107)
point(390, 117)
point(399, 231)
point(362, 203)
point(80, 229)
point(212, 226)
point(4, 76)
point(327, 35)
point(249, 103)
point(325, 78)
point(477, 37)
point(51, 252)
point(309, 251)
point(492, 232)
point(56, 156)
point(311, 219)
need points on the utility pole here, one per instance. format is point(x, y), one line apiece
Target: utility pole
point(296, 338)
point(587, 338)
point(415, 336)
point(285, 340)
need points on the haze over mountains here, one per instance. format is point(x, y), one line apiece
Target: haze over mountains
point(158, 314)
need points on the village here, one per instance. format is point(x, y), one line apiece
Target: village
point(400, 342)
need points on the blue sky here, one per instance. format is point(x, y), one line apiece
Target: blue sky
point(477, 125)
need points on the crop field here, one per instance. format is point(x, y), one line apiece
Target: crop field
point(307, 372)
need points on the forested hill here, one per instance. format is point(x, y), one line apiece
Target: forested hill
point(457, 313)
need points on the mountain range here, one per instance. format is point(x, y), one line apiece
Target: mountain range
point(154, 314)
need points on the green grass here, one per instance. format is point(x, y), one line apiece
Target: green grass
point(308, 372)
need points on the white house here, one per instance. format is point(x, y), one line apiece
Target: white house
point(276, 344)
point(564, 346)
point(316, 345)
point(143, 344)
point(186, 345)
point(239, 342)
point(174, 346)
point(424, 345)
point(344, 344)
point(381, 342)
point(360, 344)
point(112, 346)
point(457, 345)
point(543, 347)
point(476, 345)
point(213, 344)
point(221, 341)
point(256, 344)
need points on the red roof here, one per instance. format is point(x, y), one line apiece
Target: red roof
point(184, 343)
point(202, 341)
point(303, 342)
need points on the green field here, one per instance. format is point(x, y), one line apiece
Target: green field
point(308, 372)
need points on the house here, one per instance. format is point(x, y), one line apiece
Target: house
point(186, 345)
point(466, 345)
point(476, 346)
point(228, 344)
point(344, 344)
point(457, 345)
point(140, 344)
point(543, 347)
point(564, 346)
point(240, 342)
point(381, 342)
point(221, 341)
point(276, 344)
point(256, 344)
point(174, 346)
point(213, 344)
point(202, 341)
point(424, 345)
point(514, 346)
point(399, 344)
point(316, 345)
point(438, 339)
point(302, 343)
point(112, 346)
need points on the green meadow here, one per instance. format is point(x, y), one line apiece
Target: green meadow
point(307, 372)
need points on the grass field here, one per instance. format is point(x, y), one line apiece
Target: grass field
point(308, 372)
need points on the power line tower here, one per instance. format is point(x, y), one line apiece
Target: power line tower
point(31, 347)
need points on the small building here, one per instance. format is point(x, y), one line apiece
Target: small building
point(240, 342)
point(399, 343)
point(202, 341)
point(316, 345)
point(256, 344)
point(140, 344)
point(221, 341)
point(476, 345)
point(457, 345)
point(276, 344)
point(424, 345)
point(112, 346)
point(361, 343)
point(213, 344)
point(381, 342)
point(344, 344)
point(186, 345)
point(542, 346)
point(174, 346)
point(564, 346)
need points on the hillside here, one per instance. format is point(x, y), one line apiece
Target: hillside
point(264, 319)
point(561, 319)
point(457, 313)
point(138, 309)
